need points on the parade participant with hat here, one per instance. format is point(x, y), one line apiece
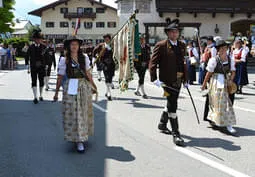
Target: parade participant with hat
point(77, 96)
point(36, 56)
point(192, 62)
point(239, 56)
point(141, 65)
point(168, 57)
point(50, 60)
point(221, 74)
point(89, 51)
point(104, 54)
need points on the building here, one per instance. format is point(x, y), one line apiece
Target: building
point(209, 17)
point(58, 19)
point(21, 28)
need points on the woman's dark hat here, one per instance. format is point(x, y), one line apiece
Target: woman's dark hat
point(210, 38)
point(70, 39)
point(36, 34)
point(172, 24)
point(107, 36)
point(221, 43)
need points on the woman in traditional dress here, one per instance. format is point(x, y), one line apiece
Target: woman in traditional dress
point(192, 62)
point(77, 98)
point(221, 73)
point(239, 56)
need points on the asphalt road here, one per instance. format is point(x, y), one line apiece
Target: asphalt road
point(126, 142)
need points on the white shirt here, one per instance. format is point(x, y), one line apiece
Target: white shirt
point(62, 65)
point(243, 56)
point(213, 50)
point(194, 51)
point(212, 63)
point(174, 43)
point(2, 51)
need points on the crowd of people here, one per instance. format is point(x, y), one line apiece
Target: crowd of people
point(221, 64)
point(7, 57)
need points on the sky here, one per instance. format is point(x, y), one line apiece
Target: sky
point(22, 7)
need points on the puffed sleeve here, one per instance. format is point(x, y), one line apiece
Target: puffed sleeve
point(232, 64)
point(87, 62)
point(62, 66)
point(244, 55)
point(212, 63)
point(213, 52)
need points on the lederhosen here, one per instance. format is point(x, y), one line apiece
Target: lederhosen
point(37, 64)
point(142, 64)
point(50, 59)
point(108, 65)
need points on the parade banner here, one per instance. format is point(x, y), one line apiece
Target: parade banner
point(126, 50)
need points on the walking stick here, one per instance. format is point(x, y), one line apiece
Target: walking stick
point(193, 105)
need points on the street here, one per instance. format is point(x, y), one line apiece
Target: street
point(127, 142)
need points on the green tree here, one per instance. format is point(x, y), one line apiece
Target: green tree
point(6, 15)
point(30, 31)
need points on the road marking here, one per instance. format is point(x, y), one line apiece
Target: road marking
point(198, 157)
point(211, 163)
point(99, 108)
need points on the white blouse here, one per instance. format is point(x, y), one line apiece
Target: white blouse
point(243, 56)
point(62, 65)
point(194, 51)
point(212, 63)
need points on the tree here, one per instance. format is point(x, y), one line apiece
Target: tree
point(6, 16)
point(30, 31)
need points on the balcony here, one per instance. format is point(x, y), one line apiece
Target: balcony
point(79, 15)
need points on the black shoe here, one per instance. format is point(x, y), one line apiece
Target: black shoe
point(145, 96)
point(113, 87)
point(178, 140)
point(162, 126)
point(35, 101)
point(137, 93)
point(47, 88)
point(41, 98)
point(163, 122)
point(109, 98)
point(99, 79)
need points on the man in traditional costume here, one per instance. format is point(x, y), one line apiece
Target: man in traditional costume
point(104, 54)
point(37, 58)
point(168, 56)
point(141, 65)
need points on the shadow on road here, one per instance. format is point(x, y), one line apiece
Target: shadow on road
point(211, 143)
point(32, 144)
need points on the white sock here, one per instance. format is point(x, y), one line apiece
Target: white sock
point(108, 86)
point(142, 89)
point(80, 146)
point(35, 92)
point(99, 74)
point(41, 91)
point(138, 88)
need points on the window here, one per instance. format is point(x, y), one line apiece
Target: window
point(100, 10)
point(100, 24)
point(88, 10)
point(127, 7)
point(111, 24)
point(99, 41)
point(144, 6)
point(49, 24)
point(74, 24)
point(63, 10)
point(88, 25)
point(80, 10)
point(64, 24)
